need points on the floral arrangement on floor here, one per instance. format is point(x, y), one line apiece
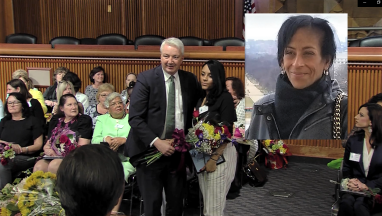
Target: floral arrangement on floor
point(177, 141)
point(34, 195)
point(207, 136)
point(6, 153)
point(276, 151)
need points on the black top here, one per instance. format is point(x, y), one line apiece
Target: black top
point(36, 110)
point(50, 93)
point(223, 110)
point(22, 132)
point(82, 126)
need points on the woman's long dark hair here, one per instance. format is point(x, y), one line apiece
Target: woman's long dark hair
point(25, 107)
point(218, 78)
point(16, 83)
point(62, 102)
point(375, 116)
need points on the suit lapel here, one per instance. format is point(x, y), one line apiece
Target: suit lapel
point(162, 99)
point(358, 149)
point(374, 160)
point(183, 86)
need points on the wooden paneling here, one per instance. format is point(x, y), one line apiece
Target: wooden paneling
point(6, 19)
point(115, 70)
point(89, 18)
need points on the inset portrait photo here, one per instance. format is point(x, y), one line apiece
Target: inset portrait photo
point(296, 76)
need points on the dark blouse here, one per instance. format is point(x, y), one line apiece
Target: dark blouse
point(50, 93)
point(36, 110)
point(82, 126)
point(22, 132)
point(223, 110)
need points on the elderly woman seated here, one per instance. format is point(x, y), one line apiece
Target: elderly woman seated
point(112, 130)
point(68, 129)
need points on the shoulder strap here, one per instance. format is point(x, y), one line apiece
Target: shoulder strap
point(337, 117)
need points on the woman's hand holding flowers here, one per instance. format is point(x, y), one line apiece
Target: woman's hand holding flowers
point(17, 148)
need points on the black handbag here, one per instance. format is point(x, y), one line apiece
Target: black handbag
point(256, 174)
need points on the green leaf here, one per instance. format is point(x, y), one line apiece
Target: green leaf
point(12, 207)
point(17, 180)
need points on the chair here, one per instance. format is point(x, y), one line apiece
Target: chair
point(64, 40)
point(112, 39)
point(375, 41)
point(88, 41)
point(21, 38)
point(208, 42)
point(230, 41)
point(192, 41)
point(354, 43)
point(148, 40)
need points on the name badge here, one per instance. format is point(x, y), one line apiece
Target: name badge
point(203, 109)
point(119, 126)
point(354, 157)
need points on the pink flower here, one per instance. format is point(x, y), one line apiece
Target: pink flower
point(71, 148)
point(4, 161)
point(195, 113)
point(64, 139)
point(237, 133)
point(7, 147)
point(285, 146)
point(226, 131)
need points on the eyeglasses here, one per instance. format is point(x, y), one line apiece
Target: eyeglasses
point(117, 103)
point(13, 103)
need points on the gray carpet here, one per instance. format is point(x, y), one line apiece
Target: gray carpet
point(309, 183)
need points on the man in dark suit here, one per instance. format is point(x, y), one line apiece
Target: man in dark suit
point(163, 99)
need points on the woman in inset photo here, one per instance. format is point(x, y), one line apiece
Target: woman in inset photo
point(307, 102)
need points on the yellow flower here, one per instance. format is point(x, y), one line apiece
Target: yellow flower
point(24, 211)
point(5, 212)
point(49, 175)
point(209, 129)
point(20, 204)
point(267, 143)
point(282, 150)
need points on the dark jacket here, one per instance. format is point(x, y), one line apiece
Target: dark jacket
point(353, 169)
point(315, 123)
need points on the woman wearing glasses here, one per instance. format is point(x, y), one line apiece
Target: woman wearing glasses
point(112, 129)
point(26, 141)
point(99, 108)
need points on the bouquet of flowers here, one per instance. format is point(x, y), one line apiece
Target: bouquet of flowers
point(34, 195)
point(276, 153)
point(178, 142)
point(64, 142)
point(6, 153)
point(208, 136)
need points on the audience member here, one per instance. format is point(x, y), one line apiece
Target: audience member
point(66, 87)
point(1, 110)
point(75, 80)
point(67, 120)
point(112, 129)
point(97, 77)
point(362, 162)
point(35, 108)
point(90, 181)
point(129, 92)
point(24, 132)
point(50, 94)
point(236, 88)
point(130, 77)
point(36, 94)
point(99, 108)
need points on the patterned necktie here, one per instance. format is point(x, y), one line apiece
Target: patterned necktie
point(170, 117)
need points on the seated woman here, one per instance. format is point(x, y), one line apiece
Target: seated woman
point(94, 174)
point(362, 162)
point(75, 80)
point(99, 108)
point(97, 77)
point(36, 94)
point(17, 85)
point(24, 132)
point(66, 87)
point(113, 129)
point(125, 93)
point(50, 94)
point(68, 120)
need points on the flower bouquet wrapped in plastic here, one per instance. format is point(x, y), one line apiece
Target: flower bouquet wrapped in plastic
point(276, 153)
point(6, 153)
point(34, 195)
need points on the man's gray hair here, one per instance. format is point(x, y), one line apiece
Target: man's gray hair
point(111, 97)
point(172, 41)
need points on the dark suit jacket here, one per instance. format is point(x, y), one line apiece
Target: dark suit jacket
point(147, 111)
point(352, 169)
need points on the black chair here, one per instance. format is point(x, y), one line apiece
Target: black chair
point(192, 41)
point(148, 40)
point(230, 41)
point(64, 40)
point(88, 41)
point(208, 42)
point(375, 41)
point(112, 39)
point(21, 38)
point(354, 43)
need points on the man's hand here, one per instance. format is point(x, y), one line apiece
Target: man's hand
point(164, 146)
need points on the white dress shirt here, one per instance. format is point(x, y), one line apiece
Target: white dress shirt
point(366, 159)
point(179, 116)
point(83, 98)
